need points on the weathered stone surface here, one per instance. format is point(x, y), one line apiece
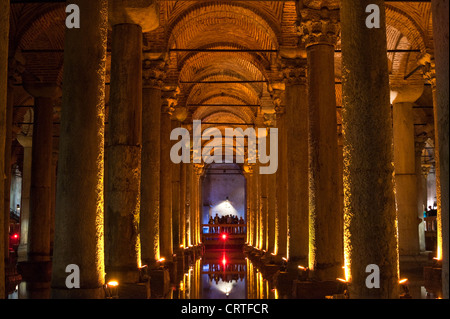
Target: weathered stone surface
point(141, 12)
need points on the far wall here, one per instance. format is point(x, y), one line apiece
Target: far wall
point(215, 190)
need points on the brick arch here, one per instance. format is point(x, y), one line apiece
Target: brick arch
point(265, 14)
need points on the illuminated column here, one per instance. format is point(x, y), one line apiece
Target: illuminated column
point(296, 137)
point(124, 154)
point(255, 211)
point(405, 169)
point(183, 207)
point(189, 172)
point(319, 30)
point(263, 212)
point(165, 220)
point(79, 200)
point(282, 178)
point(26, 142)
point(196, 202)
point(176, 198)
point(370, 232)
point(200, 170)
point(440, 10)
point(4, 40)
point(248, 172)
point(429, 72)
point(421, 202)
point(272, 225)
point(41, 181)
point(153, 73)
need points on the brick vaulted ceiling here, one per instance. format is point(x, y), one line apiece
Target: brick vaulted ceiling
point(255, 27)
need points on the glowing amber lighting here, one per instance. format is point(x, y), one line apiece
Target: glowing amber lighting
point(402, 281)
point(112, 283)
point(341, 280)
point(301, 267)
point(285, 259)
point(161, 259)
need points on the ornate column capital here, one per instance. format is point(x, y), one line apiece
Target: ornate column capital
point(153, 73)
point(278, 97)
point(143, 12)
point(294, 71)
point(16, 67)
point(318, 26)
point(428, 68)
point(169, 100)
point(199, 168)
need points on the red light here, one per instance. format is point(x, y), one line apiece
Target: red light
point(15, 236)
point(224, 236)
point(224, 261)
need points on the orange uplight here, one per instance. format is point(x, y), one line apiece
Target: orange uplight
point(402, 281)
point(301, 267)
point(341, 280)
point(112, 283)
point(161, 259)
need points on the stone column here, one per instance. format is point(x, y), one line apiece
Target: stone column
point(183, 208)
point(165, 221)
point(26, 142)
point(319, 30)
point(79, 201)
point(189, 172)
point(296, 131)
point(256, 190)
point(123, 154)
point(4, 40)
point(53, 199)
point(153, 74)
point(263, 211)
point(440, 10)
point(176, 199)
point(282, 179)
point(248, 169)
point(421, 185)
point(370, 232)
point(37, 267)
point(404, 168)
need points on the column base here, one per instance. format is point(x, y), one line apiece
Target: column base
point(22, 253)
point(122, 274)
point(159, 282)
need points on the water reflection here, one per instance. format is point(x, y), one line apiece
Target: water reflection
point(221, 274)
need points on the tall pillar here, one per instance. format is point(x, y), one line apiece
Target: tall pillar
point(440, 10)
point(165, 220)
point(176, 199)
point(183, 173)
point(79, 201)
point(41, 181)
point(189, 172)
point(4, 40)
point(248, 172)
point(405, 169)
point(26, 142)
point(53, 199)
point(123, 154)
point(256, 189)
point(153, 73)
point(370, 232)
point(296, 137)
point(319, 31)
point(282, 178)
point(421, 203)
